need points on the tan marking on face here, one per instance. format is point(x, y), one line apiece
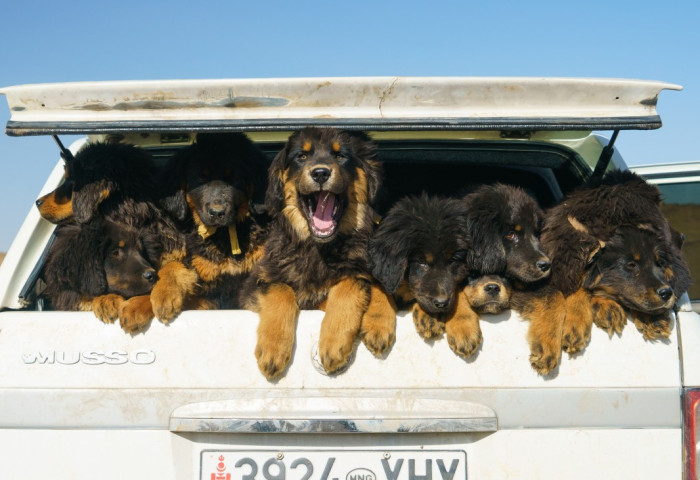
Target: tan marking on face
point(104, 195)
point(577, 225)
point(122, 244)
point(429, 257)
point(291, 208)
point(518, 228)
point(668, 273)
point(306, 147)
point(336, 147)
point(636, 257)
point(355, 215)
point(645, 226)
point(55, 209)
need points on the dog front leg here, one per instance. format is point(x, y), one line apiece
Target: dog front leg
point(346, 304)
point(278, 310)
point(546, 310)
point(462, 328)
point(378, 328)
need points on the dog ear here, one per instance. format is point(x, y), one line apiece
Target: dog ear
point(87, 199)
point(274, 193)
point(366, 151)
point(76, 260)
point(175, 205)
point(389, 248)
point(593, 277)
point(486, 252)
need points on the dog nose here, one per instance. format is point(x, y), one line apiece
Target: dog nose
point(441, 302)
point(543, 265)
point(492, 288)
point(39, 202)
point(665, 293)
point(216, 210)
point(320, 175)
point(149, 275)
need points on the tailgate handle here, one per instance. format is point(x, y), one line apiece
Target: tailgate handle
point(334, 415)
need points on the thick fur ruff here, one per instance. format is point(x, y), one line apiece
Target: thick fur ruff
point(320, 189)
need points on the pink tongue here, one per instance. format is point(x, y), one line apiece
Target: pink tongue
point(323, 216)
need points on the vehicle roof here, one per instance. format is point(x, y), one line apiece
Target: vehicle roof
point(368, 103)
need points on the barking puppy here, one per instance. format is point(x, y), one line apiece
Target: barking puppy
point(320, 187)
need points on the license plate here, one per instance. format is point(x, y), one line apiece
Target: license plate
point(333, 465)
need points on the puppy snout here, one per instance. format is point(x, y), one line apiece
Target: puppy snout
point(150, 275)
point(321, 175)
point(441, 302)
point(492, 289)
point(665, 293)
point(543, 265)
point(216, 210)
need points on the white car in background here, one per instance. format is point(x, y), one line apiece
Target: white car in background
point(81, 399)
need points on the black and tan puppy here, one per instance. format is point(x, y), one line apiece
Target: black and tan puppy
point(222, 175)
point(504, 225)
point(636, 272)
point(609, 243)
point(96, 266)
point(488, 293)
point(418, 254)
point(320, 188)
point(123, 184)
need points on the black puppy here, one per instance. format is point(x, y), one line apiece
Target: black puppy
point(418, 254)
point(97, 266)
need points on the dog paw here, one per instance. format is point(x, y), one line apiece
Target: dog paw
point(334, 351)
point(427, 326)
point(378, 332)
point(608, 315)
point(463, 338)
point(106, 307)
point(575, 338)
point(135, 314)
point(544, 360)
point(653, 327)
point(272, 361)
point(166, 303)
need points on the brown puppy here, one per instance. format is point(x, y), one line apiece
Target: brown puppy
point(320, 187)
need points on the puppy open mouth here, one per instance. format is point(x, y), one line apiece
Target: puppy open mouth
point(323, 211)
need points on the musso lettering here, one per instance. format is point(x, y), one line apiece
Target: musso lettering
point(90, 357)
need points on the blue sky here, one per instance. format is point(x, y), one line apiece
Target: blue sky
point(78, 40)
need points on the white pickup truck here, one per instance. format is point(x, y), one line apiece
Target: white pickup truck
point(80, 399)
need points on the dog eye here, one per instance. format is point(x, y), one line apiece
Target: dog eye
point(303, 156)
point(116, 252)
point(511, 236)
point(632, 266)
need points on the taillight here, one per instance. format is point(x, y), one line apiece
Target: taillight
point(691, 431)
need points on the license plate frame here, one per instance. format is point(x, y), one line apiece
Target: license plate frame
point(332, 464)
